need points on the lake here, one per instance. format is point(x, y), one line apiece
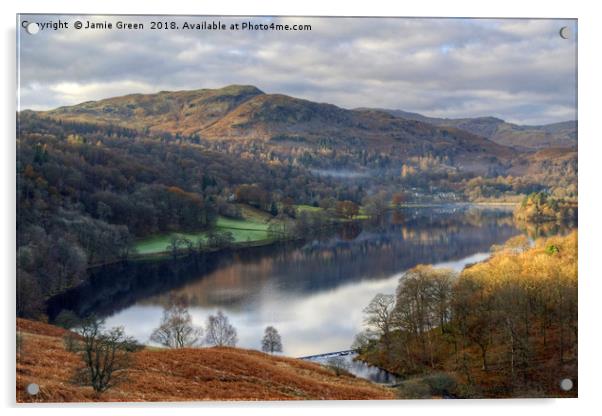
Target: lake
point(313, 292)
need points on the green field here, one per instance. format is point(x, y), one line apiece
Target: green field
point(307, 208)
point(247, 230)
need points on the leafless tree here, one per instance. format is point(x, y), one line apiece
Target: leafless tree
point(271, 341)
point(176, 329)
point(219, 331)
point(364, 340)
point(380, 317)
point(338, 365)
point(423, 302)
point(377, 204)
point(106, 355)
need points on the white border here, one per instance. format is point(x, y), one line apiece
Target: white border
point(590, 23)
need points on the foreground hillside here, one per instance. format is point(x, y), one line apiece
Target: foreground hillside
point(181, 375)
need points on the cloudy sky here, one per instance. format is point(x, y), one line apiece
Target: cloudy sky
point(518, 70)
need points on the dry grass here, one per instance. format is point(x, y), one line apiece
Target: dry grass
point(182, 375)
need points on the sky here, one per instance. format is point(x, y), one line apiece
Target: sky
point(519, 70)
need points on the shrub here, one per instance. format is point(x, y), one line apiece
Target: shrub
point(467, 391)
point(70, 342)
point(414, 389)
point(67, 319)
point(441, 384)
point(338, 365)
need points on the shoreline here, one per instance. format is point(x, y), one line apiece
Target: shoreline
point(162, 255)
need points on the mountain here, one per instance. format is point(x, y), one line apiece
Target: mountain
point(563, 134)
point(190, 374)
point(245, 113)
point(183, 112)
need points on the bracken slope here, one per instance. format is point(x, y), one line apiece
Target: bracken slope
point(181, 375)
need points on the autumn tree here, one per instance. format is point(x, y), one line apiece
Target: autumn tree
point(252, 195)
point(473, 309)
point(398, 199)
point(347, 209)
point(423, 302)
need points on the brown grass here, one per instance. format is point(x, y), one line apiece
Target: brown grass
point(39, 328)
point(182, 375)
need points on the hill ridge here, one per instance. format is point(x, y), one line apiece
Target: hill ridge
point(519, 136)
point(244, 112)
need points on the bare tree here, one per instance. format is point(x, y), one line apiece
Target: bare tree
point(176, 329)
point(423, 302)
point(338, 365)
point(380, 317)
point(219, 331)
point(271, 341)
point(106, 355)
point(377, 204)
point(364, 340)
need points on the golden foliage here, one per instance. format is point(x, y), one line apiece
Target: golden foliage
point(505, 327)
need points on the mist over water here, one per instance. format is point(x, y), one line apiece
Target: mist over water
point(340, 173)
point(312, 292)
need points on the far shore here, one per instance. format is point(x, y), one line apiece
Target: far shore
point(253, 233)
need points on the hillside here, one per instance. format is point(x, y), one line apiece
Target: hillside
point(185, 112)
point(129, 169)
point(563, 134)
point(245, 113)
point(182, 375)
point(557, 166)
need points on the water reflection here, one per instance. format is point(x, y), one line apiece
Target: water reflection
point(313, 292)
point(359, 368)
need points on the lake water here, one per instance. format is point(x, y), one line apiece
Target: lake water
point(347, 360)
point(312, 292)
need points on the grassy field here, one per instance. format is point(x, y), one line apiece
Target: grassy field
point(308, 208)
point(252, 229)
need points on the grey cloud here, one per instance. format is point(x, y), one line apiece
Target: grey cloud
point(519, 70)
